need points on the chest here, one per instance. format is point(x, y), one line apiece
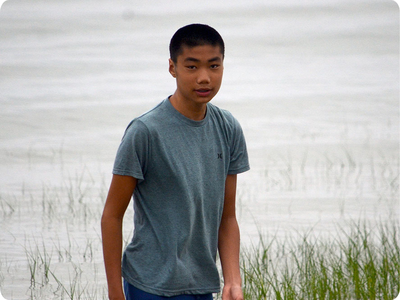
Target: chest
point(197, 153)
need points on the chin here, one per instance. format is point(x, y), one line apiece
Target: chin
point(204, 100)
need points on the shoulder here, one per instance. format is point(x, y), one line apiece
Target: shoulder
point(152, 114)
point(146, 121)
point(224, 117)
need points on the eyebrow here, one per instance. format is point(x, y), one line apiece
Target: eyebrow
point(217, 58)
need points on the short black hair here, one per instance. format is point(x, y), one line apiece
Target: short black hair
point(194, 35)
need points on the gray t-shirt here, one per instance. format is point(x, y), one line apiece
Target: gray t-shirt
point(181, 166)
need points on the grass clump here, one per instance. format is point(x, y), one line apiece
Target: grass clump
point(360, 264)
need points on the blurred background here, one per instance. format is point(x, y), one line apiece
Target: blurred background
point(314, 84)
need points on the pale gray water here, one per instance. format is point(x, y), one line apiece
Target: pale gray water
point(314, 85)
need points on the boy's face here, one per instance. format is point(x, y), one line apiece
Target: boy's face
point(198, 72)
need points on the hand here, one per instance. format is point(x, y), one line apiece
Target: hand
point(232, 293)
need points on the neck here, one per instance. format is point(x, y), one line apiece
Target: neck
point(194, 111)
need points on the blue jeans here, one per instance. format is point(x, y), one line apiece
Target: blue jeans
point(132, 293)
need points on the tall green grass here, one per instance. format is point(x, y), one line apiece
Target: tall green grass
point(363, 263)
point(359, 262)
point(53, 241)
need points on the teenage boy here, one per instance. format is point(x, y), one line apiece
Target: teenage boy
point(180, 162)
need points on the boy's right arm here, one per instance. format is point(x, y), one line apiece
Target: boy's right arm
point(119, 195)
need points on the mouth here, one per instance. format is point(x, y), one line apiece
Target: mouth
point(203, 92)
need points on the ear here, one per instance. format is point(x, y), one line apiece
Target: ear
point(172, 68)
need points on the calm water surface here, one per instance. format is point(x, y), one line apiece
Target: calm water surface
point(315, 87)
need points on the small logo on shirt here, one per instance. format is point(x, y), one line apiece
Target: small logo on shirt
point(219, 155)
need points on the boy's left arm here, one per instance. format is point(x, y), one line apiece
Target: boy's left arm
point(229, 244)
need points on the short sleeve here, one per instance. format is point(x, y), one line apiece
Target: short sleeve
point(239, 161)
point(132, 153)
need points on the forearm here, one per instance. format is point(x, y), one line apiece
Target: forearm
point(111, 229)
point(229, 248)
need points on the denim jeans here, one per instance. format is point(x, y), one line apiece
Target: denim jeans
point(132, 293)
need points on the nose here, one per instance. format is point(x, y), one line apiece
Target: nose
point(203, 76)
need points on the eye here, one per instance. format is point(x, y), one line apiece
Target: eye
point(191, 67)
point(214, 66)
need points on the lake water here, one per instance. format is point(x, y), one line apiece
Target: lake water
point(315, 85)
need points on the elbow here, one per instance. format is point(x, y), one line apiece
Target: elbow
point(228, 219)
point(108, 219)
point(227, 225)
point(103, 222)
